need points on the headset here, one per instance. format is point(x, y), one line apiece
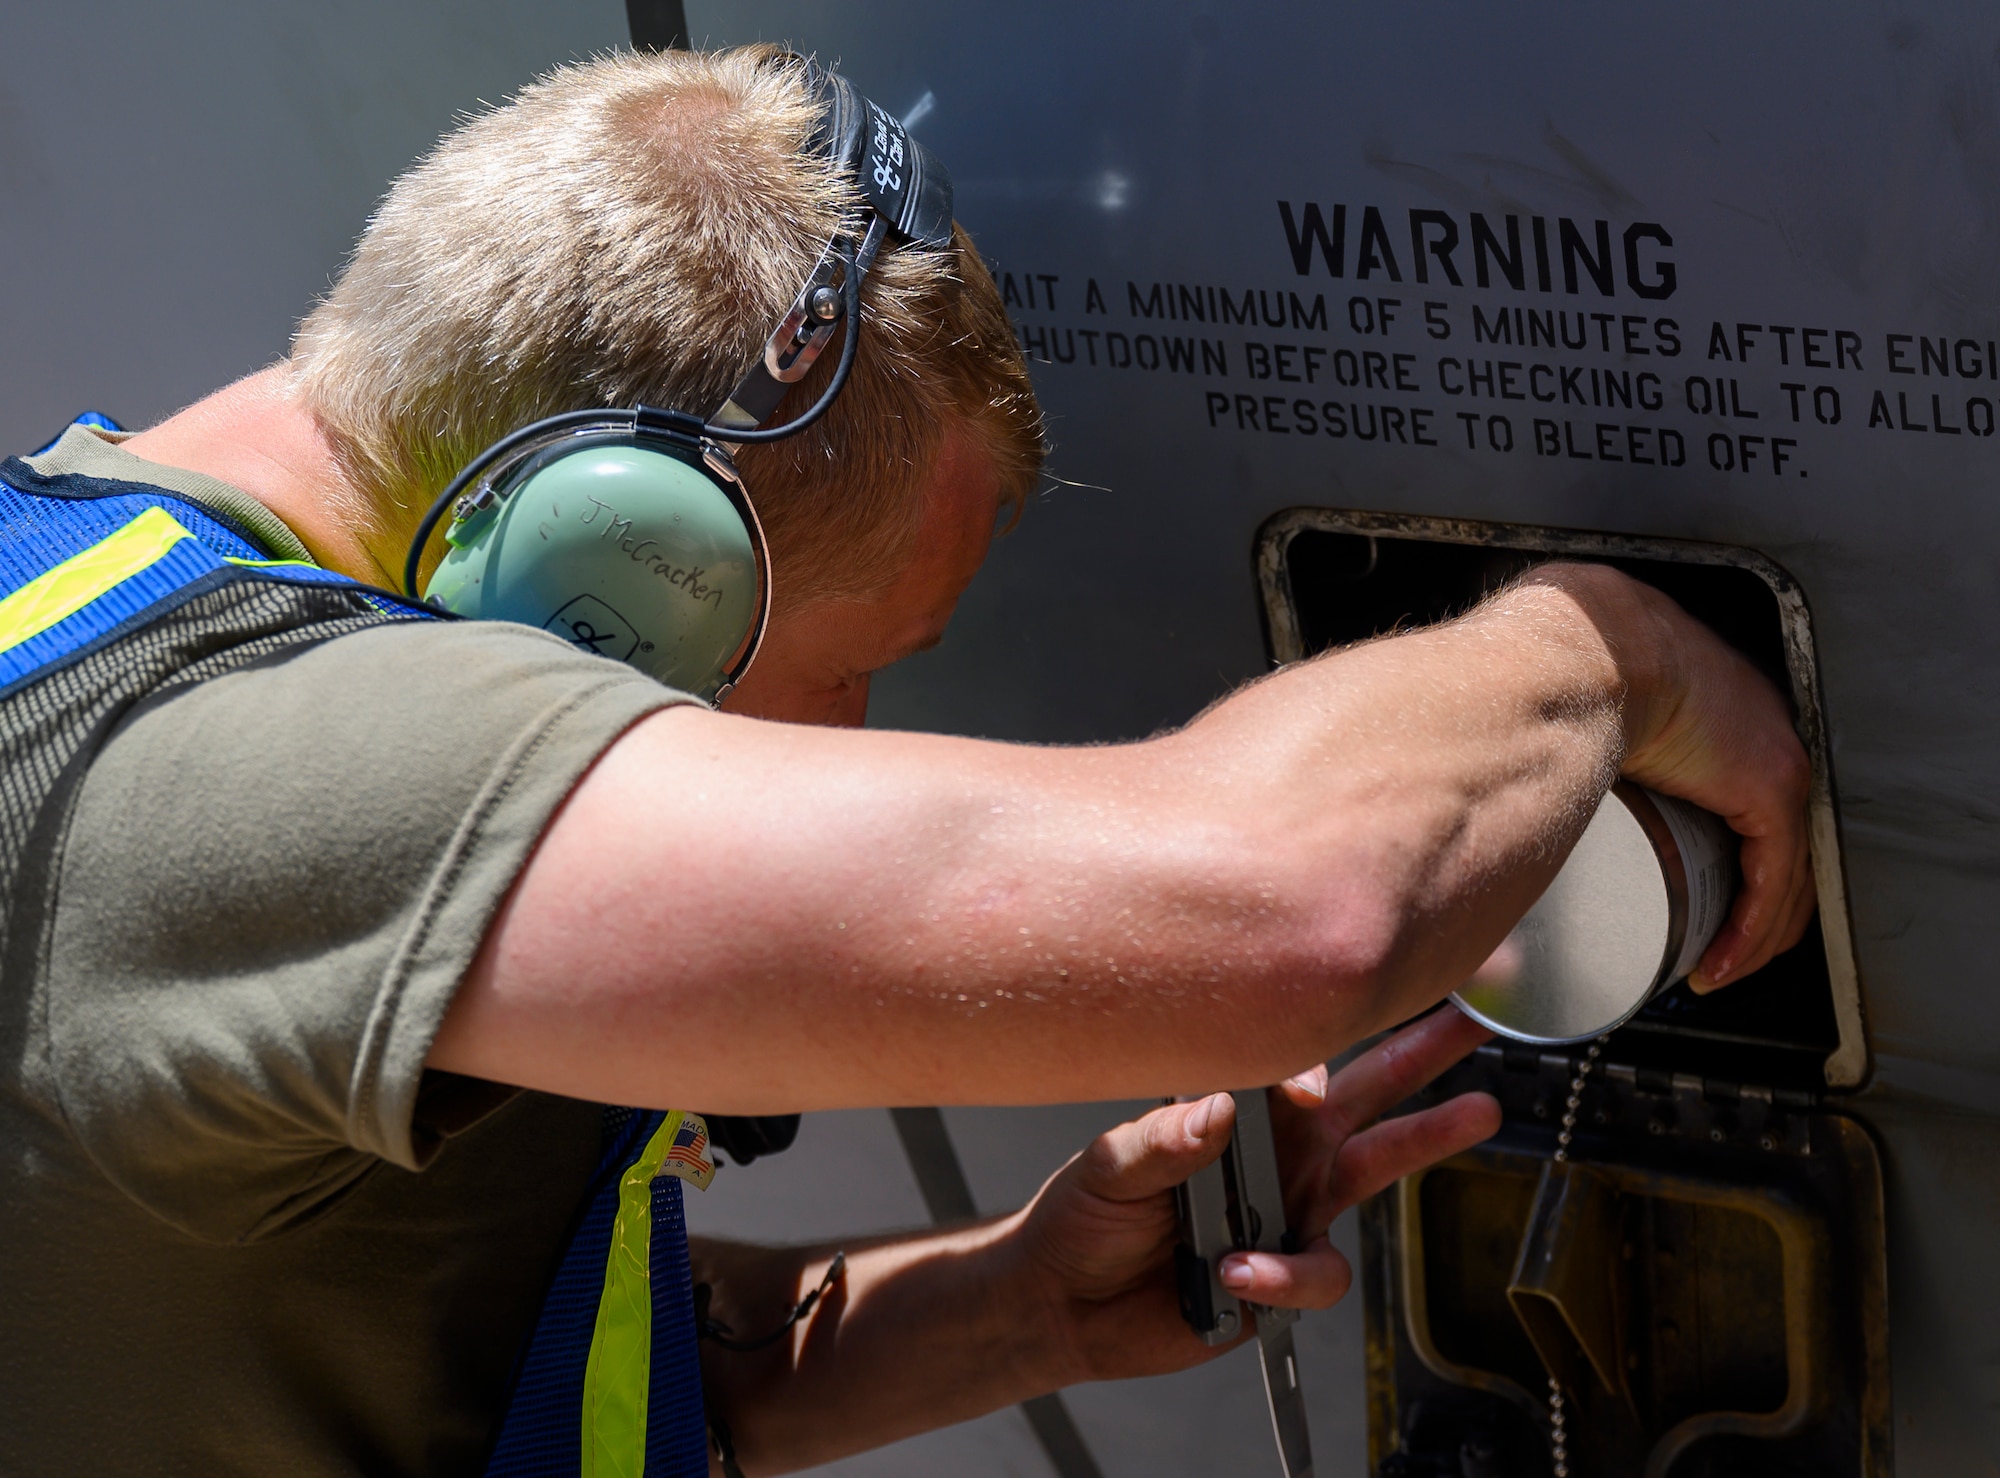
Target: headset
point(629, 533)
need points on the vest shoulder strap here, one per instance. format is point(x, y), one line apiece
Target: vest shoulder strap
point(609, 1383)
point(84, 561)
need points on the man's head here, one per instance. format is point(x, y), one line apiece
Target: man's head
point(629, 230)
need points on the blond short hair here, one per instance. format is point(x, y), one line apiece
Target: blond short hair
point(628, 230)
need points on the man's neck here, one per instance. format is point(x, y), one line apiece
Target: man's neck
point(255, 435)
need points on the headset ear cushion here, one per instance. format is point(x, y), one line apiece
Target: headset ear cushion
point(624, 547)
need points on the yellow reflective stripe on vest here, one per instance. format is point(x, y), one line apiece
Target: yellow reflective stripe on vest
point(271, 564)
point(616, 1378)
point(57, 594)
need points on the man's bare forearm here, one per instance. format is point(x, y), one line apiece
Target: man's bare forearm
point(923, 1331)
point(759, 917)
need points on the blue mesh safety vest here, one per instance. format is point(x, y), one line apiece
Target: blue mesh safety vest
point(107, 589)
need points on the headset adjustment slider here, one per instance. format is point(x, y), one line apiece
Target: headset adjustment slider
point(669, 425)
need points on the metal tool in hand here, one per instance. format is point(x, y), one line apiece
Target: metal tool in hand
point(1237, 1204)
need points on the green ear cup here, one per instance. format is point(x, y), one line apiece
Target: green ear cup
point(621, 549)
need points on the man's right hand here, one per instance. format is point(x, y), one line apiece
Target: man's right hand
point(1701, 723)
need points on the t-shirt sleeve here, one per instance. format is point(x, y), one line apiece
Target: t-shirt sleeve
point(273, 882)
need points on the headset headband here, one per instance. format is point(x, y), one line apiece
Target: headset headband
point(907, 192)
point(901, 178)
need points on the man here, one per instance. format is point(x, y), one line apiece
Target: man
point(304, 893)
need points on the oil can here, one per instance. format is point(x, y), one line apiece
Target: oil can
point(1642, 894)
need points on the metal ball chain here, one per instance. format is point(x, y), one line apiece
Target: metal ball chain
point(1558, 1430)
point(1558, 1417)
point(1576, 1097)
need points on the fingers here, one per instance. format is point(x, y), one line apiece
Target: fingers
point(1391, 1071)
point(1770, 915)
point(1381, 1156)
point(1306, 1090)
point(1315, 1277)
point(1310, 1137)
point(1727, 744)
point(1157, 1151)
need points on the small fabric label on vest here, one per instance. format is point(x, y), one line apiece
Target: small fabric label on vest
point(687, 1156)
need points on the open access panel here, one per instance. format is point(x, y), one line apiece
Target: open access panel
point(1706, 1279)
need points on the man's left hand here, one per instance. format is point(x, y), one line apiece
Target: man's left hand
point(1100, 1236)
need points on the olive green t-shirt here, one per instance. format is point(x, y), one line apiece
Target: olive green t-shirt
point(242, 1230)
